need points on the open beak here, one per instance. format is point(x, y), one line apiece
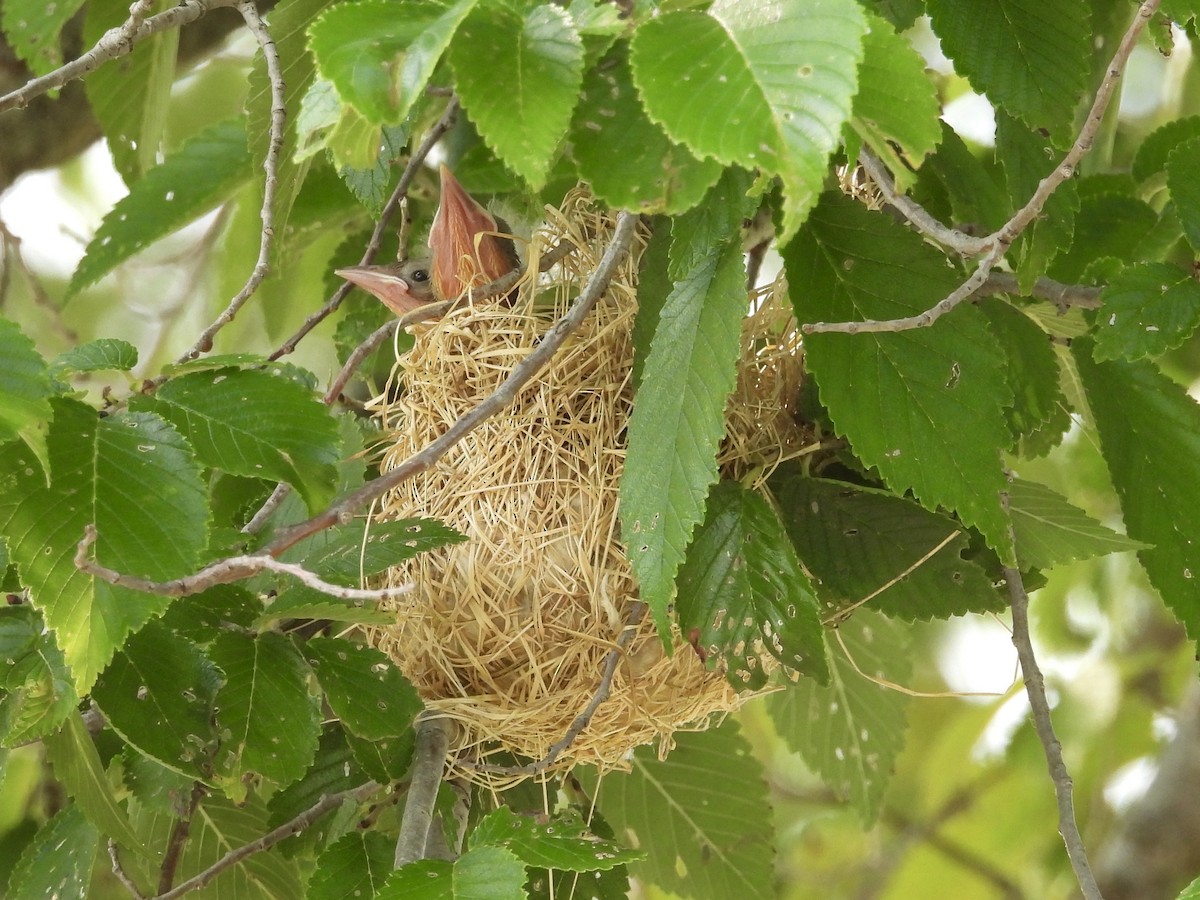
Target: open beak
point(402, 286)
point(466, 251)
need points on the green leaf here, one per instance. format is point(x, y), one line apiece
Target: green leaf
point(384, 760)
point(1107, 225)
point(269, 724)
point(128, 98)
point(99, 355)
point(36, 688)
point(133, 477)
point(925, 406)
point(1028, 157)
point(1029, 58)
point(1152, 154)
point(203, 173)
point(487, 873)
point(678, 421)
point(356, 865)
point(1183, 179)
point(302, 602)
point(158, 695)
point(219, 826)
point(743, 593)
point(58, 861)
point(1191, 892)
point(372, 186)
point(1150, 437)
point(201, 617)
point(72, 752)
point(24, 390)
point(1051, 531)
point(702, 816)
point(901, 13)
point(628, 160)
point(366, 50)
point(654, 287)
point(251, 422)
point(1149, 308)
point(32, 30)
point(764, 85)
point(1039, 415)
point(718, 219)
point(896, 108)
point(359, 550)
point(519, 97)
point(332, 770)
point(563, 843)
point(851, 732)
point(363, 687)
point(975, 191)
point(857, 541)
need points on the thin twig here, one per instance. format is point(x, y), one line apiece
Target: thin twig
point(1063, 296)
point(503, 396)
point(998, 242)
point(843, 614)
point(259, 519)
point(113, 44)
point(178, 837)
point(118, 870)
point(1035, 688)
point(14, 257)
point(271, 838)
point(414, 164)
point(919, 217)
point(230, 569)
point(429, 764)
point(262, 266)
point(636, 611)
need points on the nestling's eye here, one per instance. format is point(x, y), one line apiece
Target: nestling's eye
point(420, 275)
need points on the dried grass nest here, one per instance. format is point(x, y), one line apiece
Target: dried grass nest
point(507, 633)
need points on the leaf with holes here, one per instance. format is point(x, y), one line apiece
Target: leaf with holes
point(851, 731)
point(743, 594)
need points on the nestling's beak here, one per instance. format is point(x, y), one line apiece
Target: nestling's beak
point(465, 252)
point(465, 249)
point(402, 286)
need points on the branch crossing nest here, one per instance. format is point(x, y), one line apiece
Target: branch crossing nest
point(506, 634)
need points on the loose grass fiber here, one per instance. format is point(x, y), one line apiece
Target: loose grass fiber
point(506, 634)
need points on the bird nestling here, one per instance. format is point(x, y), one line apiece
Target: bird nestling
point(465, 249)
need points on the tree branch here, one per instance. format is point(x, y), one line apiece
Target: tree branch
point(1063, 296)
point(999, 241)
point(920, 218)
point(429, 764)
point(115, 43)
point(268, 840)
point(1035, 688)
point(180, 829)
point(230, 569)
point(270, 54)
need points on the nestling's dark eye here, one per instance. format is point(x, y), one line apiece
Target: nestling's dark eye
point(420, 275)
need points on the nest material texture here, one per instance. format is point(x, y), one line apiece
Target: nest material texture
point(507, 633)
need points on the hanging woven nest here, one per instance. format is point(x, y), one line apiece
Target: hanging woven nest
point(507, 634)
